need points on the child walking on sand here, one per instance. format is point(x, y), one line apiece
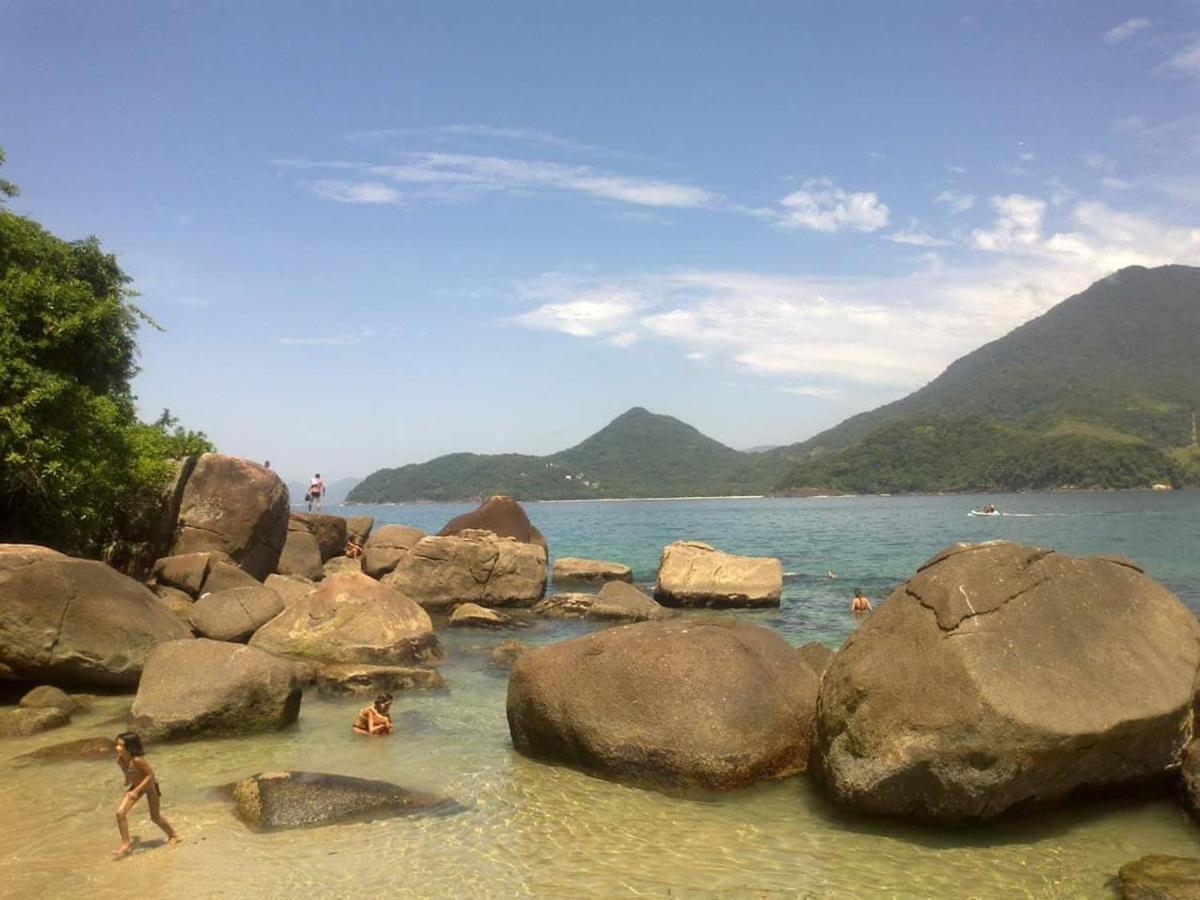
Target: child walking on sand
point(139, 778)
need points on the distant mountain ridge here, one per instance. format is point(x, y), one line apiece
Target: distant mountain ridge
point(638, 454)
point(1102, 390)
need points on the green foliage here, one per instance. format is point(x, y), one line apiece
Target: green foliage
point(638, 454)
point(972, 453)
point(77, 470)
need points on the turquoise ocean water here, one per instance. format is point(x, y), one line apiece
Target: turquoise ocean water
point(537, 830)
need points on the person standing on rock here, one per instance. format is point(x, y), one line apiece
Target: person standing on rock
point(316, 490)
point(139, 778)
point(374, 719)
point(860, 604)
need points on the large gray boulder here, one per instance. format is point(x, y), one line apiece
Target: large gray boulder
point(714, 703)
point(222, 576)
point(289, 588)
point(329, 531)
point(351, 618)
point(1002, 677)
point(47, 696)
point(207, 688)
point(234, 615)
point(22, 722)
point(236, 507)
point(279, 800)
point(301, 557)
point(502, 516)
point(692, 573)
point(387, 546)
point(77, 622)
point(471, 567)
point(185, 572)
point(568, 569)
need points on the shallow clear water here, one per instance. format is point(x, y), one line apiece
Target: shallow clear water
point(536, 830)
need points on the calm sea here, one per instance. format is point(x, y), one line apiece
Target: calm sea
point(535, 830)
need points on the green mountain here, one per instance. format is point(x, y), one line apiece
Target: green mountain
point(1102, 390)
point(638, 454)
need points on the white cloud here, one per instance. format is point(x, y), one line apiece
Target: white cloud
point(957, 201)
point(822, 206)
point(1112, 183)
point(356, 192)
point(870, 337)
point(1018, 222)
point(1185, 61)
point(587, 314)
point(917, 238)
point(1099, 162)
point(339, 340)
point(1027, 156)
point(459, 177)
point(957, 170)
point(1125, 30)
point(804, 390)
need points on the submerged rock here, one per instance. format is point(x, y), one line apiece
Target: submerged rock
point(236, 507)
point(278, 800)
point(22, 722)
point(565, 606)
point(472, 615)
point(351, 618)
point(83, 749)
point(334, 680)
point(507, 653)
point(1159, 877)
point(623, 602)
point(712, 703)
point(47, 696)
point(71, 621)
point(692, 573)
point(472, 567)
point(1002, 677)
point(206, 688)
point(589, 571)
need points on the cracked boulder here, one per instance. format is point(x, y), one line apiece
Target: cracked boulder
point(1002, 677)
point(236, 507)
point(502, 516)
point(209, 688)
point(713, 703)
point(234, 615)
point(692, 573)
point(77, 622)
point(471, 567)
point(387, 546)
point(301, 557)
point(352, 618)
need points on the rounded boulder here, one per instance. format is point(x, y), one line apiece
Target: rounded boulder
point(713, 703)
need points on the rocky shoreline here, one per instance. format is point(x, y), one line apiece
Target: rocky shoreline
point(1000, 679)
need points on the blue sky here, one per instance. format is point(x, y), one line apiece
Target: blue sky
point(379, 232)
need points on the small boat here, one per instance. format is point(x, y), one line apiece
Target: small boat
point(985, 511)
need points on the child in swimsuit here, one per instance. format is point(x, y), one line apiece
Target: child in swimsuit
point(139, 778)
point(374, 719)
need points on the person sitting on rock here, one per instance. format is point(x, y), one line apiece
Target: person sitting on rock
point(139, 778)
point(374, 719)
point(860, 604)
point(353, 548)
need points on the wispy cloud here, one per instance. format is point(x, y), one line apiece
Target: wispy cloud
point(806, 390)
point(821, 205)
point(1125, 30)
point(340, 340)
point(449, 177)
point(478, 133)
point(956, 201)
point(1184, 61)
point(855, 334)
point(917, 237)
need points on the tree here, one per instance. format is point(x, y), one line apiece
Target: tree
point(78, 471)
